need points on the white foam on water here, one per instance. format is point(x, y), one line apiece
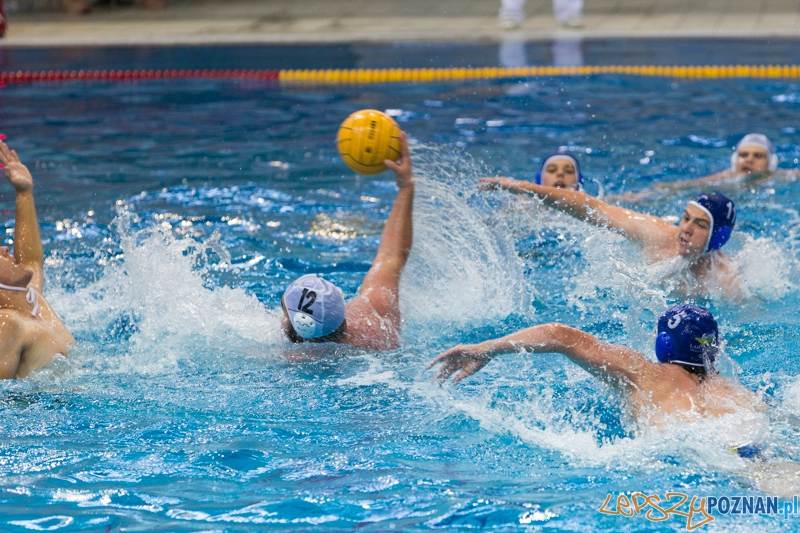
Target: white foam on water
point(767, 271)
point(558, 424)
point(158, 283)
point(463, 267)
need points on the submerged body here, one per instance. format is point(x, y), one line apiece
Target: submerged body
point(753, 162)
point(669, 391)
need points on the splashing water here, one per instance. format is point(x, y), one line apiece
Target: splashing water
point(181, 410)
point(462, 269)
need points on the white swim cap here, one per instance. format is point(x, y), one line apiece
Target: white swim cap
point(315, 306)
point(760, 140)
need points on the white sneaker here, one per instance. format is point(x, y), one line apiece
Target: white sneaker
point(573, 22)
point(510, 23)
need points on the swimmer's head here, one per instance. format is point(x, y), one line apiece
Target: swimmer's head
point(313, 309)
point(12, 273)
point(721, 214)
point(687, 335)
point(560, 170)
point(754, 154)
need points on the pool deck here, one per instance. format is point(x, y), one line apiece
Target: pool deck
point(331, 21)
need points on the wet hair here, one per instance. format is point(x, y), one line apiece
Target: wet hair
point(335, 336)
point(699, 371)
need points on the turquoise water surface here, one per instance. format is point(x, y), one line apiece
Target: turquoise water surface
point(175, 212)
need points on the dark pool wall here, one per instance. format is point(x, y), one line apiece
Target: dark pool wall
point(407, 55)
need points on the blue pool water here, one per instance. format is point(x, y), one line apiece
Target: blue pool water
point(175, 212)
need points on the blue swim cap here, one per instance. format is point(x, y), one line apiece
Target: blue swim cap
point(687, 334)
point(721, 212)
point(561, 155)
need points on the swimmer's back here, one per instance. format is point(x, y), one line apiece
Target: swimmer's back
point(28, 343)
point(676, 391)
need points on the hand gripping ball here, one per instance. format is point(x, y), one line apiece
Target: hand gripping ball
point(366, 138)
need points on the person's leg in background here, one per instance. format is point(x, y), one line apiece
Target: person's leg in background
point(2, 20)
point(511, 13)
point(569, 13)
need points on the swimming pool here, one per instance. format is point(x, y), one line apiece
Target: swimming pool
point(176, 211)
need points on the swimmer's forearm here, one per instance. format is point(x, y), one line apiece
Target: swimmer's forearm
point(712, 179)
point(398, 234)
point(27, 239)
point(575, 203)
point(544, 338)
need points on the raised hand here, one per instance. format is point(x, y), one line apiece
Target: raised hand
point(402, 171)
point(16, 173)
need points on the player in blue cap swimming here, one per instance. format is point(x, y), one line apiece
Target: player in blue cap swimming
point(683, 381)
point(314, 308)
point(561, 170)
point(704, 228)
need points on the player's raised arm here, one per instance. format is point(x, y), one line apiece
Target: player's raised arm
point(398, 233)
point(372, 319)
point(27, 240)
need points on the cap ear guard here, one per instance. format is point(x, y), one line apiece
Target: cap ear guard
point(304, 325)
point(773, 160)
point(664, 347)
point(719, 237)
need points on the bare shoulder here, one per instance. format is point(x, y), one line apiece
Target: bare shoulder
point(372, 325)
point(717, 178)
point(10, 322)
point(725, 390)
point(12, 343)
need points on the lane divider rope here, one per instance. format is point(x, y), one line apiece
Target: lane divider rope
point(123, 75)
point(336, 76)
point(413, 75)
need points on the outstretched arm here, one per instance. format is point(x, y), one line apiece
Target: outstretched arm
point(602, 359)
point(723, 179)
point(639, 227)
point(379, 292)
point(27, 240)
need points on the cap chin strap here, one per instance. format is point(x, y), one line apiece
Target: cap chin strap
point(32, 298)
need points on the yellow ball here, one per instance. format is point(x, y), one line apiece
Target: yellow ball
point(366, 138)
